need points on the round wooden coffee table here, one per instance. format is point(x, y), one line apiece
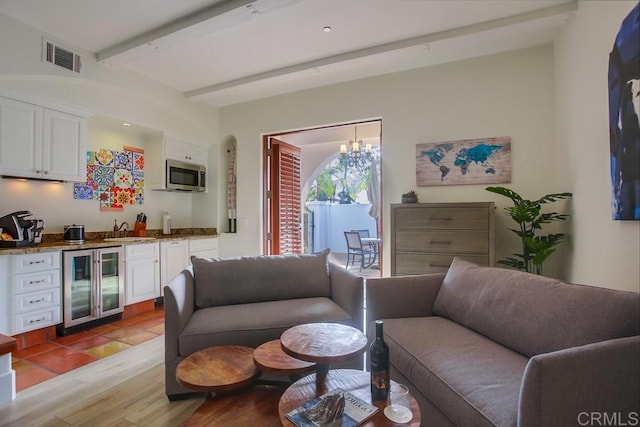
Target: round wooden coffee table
point(218, 369)
point(353, 381)
point(323, 343)
point(269, 357)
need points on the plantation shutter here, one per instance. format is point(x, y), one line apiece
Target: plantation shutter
point(283, 203)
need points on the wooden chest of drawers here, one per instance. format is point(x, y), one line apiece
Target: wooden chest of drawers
point(425, 237)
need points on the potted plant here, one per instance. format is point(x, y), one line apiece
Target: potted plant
point(410, 197)
point(527, 214)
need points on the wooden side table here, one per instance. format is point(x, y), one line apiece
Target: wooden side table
point(218, 369)
point(351, 380)
point(323, 343)
point(269, 357)
point(7, 375)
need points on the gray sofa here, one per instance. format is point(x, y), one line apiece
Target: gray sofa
point(484, 346)
point(251, 300)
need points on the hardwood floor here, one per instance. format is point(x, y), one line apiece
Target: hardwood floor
point(126, 389)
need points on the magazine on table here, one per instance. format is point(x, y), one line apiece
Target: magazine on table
point(337, 408)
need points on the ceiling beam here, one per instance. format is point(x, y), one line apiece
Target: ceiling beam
point(547, 12)
point(171, 33)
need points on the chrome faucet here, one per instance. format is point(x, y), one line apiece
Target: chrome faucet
point(117, 229)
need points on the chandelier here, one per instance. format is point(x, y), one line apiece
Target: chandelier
point(356, 155)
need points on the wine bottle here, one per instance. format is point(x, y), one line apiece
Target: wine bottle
point(379, 364)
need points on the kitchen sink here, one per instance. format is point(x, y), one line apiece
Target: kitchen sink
point(128, 239)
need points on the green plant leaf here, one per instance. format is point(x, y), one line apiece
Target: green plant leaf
point(554, 197)
point(503, 191)
point(527, 214)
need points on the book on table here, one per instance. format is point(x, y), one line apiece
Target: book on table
point(337, 408)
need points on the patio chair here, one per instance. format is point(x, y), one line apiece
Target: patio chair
point(355, 249)
point(374, 245)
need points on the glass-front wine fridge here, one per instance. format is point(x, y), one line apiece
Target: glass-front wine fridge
point(93, 284)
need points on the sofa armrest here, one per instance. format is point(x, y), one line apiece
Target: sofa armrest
point(178, 309)
point(347, 290)
point(570, 386)
point(402, 296)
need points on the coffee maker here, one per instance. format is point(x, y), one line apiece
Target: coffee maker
point(23, 228)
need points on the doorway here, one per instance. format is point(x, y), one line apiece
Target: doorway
point(292, 162)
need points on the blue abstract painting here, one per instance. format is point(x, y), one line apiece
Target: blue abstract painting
point(624, 119)
point(470, 161)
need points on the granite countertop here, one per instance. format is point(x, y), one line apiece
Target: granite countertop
point(55, 242)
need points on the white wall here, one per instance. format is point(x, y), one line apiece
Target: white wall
point(109, 92)
point(509, 94)
point(605, 252)
point(331, 220)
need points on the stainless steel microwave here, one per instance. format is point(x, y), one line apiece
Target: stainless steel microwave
point(183, 176)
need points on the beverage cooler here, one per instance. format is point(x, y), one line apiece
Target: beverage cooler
point(93, 285)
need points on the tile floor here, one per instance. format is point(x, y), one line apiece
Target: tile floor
point(41, 362)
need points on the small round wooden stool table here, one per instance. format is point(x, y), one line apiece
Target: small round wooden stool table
point(323, 343)
point(269, 357)
point(218, 369)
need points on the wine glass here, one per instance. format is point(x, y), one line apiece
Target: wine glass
point(399, 408)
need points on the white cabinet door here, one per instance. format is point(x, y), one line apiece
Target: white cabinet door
point(184, 151)
point(205, 248)
point(142, 280)
point(174, 257)
point(20, 138)
point(64, 155)
point(39, 142)
point(5, 295)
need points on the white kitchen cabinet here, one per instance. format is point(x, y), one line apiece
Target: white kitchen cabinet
point(36, 291)
point(174, 257)
point(41, 142)
point(142, 272)
point(184, 151)
point(64, 149)
point(6, 319)
point(204, 248)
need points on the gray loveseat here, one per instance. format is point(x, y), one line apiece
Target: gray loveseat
point(485, 346)
point(251, 300)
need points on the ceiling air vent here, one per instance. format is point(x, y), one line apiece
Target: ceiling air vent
point(61, 57)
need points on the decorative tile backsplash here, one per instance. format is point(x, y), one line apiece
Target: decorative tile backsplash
point(114, 178)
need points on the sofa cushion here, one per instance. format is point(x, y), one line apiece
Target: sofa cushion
point(245, 280)
point(255, 323)
point(534, 314)
point(471, 379)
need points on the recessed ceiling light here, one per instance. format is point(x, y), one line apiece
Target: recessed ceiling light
point(327, 29)
point(125, 124)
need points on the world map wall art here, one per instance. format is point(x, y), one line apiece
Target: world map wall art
point(114, 178)
point(468, 161)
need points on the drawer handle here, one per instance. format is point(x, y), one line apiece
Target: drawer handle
point(34, 301)
point(42, 319)
point(440, 242)
point(439, 265)
point(444, 218)
point(35, 282)
point(36, 262)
